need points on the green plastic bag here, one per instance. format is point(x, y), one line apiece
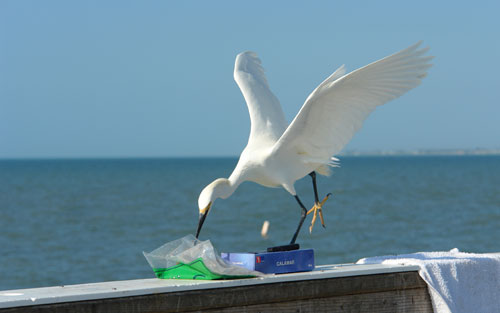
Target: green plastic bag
point(190, 258)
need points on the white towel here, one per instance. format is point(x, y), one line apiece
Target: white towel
point(458, 282)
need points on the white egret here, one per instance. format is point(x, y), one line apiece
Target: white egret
point(278, 154)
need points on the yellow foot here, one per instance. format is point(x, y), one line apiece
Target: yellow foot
point(317, 210)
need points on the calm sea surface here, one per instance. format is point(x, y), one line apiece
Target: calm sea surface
point(76, 221)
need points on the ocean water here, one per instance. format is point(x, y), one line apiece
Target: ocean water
point(77, 221)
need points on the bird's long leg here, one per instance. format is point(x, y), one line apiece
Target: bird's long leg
point(302, 218)
point(313, 176)
point(317, 208)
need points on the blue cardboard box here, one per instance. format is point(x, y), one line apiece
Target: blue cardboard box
point(274, 262)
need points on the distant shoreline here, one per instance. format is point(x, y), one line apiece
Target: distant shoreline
point(422, 152)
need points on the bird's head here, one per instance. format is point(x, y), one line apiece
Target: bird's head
point(219, 188)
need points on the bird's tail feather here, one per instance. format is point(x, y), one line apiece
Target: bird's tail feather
point(324, 168)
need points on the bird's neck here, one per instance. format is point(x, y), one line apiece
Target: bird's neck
point(225, 188)
point(230, 187)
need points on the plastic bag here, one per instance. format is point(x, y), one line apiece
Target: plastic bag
point(190, 258)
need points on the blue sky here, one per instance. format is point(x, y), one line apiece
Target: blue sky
point(154, 78)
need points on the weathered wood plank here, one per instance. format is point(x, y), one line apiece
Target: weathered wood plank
point(390, 292)
point(408, 301)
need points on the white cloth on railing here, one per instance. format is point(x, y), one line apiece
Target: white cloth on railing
point(458, 282)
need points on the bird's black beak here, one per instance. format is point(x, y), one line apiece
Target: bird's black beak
point(203, 216)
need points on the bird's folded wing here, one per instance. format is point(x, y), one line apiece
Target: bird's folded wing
point(336, 109)
point(266, 116)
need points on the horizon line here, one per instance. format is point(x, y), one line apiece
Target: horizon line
point(348, 153)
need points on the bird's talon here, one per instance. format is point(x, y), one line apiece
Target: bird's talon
point(324, 199)
point(313, 219)
point(311, 210)
point(321, 218)
point(317, 209)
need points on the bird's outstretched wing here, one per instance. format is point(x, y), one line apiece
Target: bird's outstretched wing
point(336, 109)
point(266, 116)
